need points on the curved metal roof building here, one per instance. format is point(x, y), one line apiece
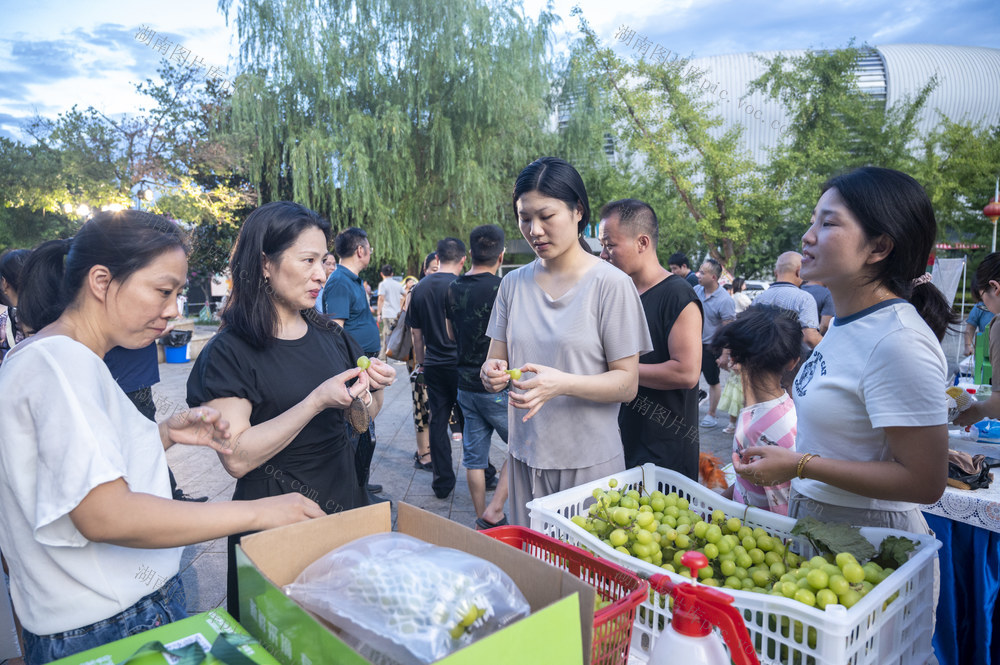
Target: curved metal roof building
point(968, 88)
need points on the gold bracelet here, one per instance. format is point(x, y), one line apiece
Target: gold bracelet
point(802, 465)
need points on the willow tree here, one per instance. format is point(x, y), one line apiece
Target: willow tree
point(714, 185)
point(409, 118)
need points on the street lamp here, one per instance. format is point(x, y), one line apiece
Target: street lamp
point(992, 212)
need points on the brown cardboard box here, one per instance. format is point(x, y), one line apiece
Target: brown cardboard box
point(558, 630)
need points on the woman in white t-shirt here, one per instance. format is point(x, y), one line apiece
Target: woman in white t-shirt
point(872, 437)
point(92, 538)
point(574, 325)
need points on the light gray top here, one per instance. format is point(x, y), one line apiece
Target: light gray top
point(393, 292)
point(719, 309)
point(596, 322)
point(789, 296)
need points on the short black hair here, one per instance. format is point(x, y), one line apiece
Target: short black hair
point(486, 244)
point(635, 216)
point(716, 266)
point(763, 339)
point(387, 270)
point(11, 263)
point(678, 259)
point(450, 250)
point(349, 240)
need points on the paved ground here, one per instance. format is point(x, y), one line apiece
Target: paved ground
point(200, 473)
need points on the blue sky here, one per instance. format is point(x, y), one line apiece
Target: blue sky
point(54, 54)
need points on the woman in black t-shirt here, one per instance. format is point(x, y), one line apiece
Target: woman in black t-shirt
point(281, 374)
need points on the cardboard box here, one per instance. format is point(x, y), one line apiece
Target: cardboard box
point(203, 628)
point(558, 631)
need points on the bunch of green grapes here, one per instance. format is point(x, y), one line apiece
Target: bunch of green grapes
point(658, 528)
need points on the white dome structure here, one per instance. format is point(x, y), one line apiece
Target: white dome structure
point(968, 87)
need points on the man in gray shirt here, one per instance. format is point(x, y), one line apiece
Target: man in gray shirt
point(719, 310)
point(785, 293)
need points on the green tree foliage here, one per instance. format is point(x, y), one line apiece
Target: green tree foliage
point(87, 157)
point(834, 127)
point(409, 118)
point(714, 188)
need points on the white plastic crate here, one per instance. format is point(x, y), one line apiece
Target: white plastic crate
point(782, 630)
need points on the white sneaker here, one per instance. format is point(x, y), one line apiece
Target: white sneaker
point(709, 421)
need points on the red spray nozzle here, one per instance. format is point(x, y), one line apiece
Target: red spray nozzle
point(697, 608)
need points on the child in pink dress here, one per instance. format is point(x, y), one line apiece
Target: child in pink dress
point(764, 341)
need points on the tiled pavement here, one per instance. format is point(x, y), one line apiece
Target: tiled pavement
point(199, 473)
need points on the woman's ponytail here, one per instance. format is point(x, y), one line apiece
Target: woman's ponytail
point(932, 307)
point(41, 300)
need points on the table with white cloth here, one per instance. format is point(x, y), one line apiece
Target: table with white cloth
point(967, 522)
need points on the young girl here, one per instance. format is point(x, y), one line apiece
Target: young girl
point(583, 319)
point(763, 342)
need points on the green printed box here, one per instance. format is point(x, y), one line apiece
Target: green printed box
point(558, 631)
point(203, 629)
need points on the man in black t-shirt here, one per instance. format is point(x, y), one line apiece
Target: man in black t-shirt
point(437, 356)
point(661, 424)
point(469, 304)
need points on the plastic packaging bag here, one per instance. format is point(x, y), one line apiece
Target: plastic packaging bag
point(409, 601)
point(985, 431)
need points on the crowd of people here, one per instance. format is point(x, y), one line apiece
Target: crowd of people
point(583, 365)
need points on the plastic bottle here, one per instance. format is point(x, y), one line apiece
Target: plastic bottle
point(689, 638)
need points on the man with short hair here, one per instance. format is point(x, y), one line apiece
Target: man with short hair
point(719, 310)
point(344, 297)
point(468, 308)
point(346, 302)
point(437, 356)
point(785, 293)
point(824, 303)
point(661, 424)
point(678, 264)
point(390, 301)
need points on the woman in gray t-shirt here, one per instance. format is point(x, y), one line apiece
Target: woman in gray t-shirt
point(574, 326)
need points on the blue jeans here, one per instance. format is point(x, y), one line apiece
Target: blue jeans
point(163, 606)
point(484, 413)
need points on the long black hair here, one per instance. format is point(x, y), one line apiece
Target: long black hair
point(267, 232)
point(11, 264)
point(891, 203)
point(557, 179)
point(123, 242)
point(763, 339)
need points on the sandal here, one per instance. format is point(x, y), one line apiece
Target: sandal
point(424, 466)
point(482, 524)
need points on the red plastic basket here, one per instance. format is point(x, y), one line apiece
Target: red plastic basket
point(612, 624)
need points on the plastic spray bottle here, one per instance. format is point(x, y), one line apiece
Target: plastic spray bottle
point(689, 638)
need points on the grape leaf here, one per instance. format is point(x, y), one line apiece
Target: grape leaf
point(834, 538)
point(894, 552)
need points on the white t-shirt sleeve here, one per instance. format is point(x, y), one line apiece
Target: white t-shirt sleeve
point(895, 387)
point(77, 443)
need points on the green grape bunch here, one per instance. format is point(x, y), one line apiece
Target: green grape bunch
point(659, 528)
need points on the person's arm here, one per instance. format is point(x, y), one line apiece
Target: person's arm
point(684, 344)
point(824, 323)
point(112, 513)
point(493, 373)
point(812, 337)
point(418, 345)
point(252, 446)
point(619, 384)
point(378, 308)
point(451, 331)
point(979, 410)
point(970, 338)
point(916, 473)
point(201, 426)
